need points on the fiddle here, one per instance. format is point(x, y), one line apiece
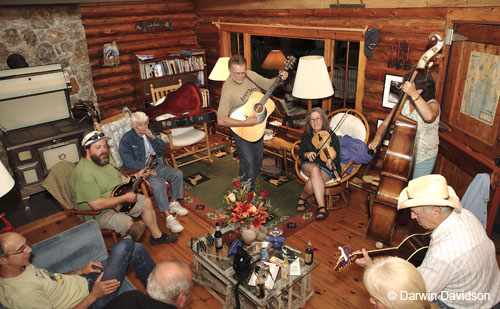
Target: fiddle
point(321, 141)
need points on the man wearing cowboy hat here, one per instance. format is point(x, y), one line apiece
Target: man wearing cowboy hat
point(460, 266)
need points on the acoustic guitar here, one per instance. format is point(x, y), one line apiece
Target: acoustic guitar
point(131, 186)
point(413, 249)
point(259, 105)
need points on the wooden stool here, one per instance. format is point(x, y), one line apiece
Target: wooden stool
point(279, 147)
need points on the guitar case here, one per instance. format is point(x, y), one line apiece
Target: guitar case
point(183, 107)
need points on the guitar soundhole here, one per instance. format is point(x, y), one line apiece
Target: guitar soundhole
point(258, 108)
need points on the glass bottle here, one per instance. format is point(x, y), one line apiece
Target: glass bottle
point(218, 237)
point(285, 269)
point(309, 254)
point(260, 285)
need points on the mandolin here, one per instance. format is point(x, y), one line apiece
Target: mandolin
point(413, 249)
point(259, 105)
point(131, 186)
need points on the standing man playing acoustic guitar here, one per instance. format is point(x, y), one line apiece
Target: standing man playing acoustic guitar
point(92, 182)
point(236, 91)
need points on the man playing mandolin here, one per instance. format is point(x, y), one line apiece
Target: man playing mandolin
point(92, 183)
point(236, 91)
point(460, 266)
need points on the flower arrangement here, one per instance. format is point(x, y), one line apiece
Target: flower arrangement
point(246, 207)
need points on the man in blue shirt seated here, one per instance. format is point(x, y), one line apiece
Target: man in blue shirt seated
point(135, 147)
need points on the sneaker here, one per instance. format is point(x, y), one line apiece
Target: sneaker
point(136, 230)
point(174, 225)
point(176, 208)
point(163, 239)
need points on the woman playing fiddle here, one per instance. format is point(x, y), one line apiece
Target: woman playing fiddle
point(318, 171)
point(423, 108)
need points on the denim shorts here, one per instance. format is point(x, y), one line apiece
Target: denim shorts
point(324, 169)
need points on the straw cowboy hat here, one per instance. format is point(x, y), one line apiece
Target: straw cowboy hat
point(430, 190)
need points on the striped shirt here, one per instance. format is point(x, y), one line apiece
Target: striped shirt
point(460, 266)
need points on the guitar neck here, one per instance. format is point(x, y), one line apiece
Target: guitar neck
point(376, 253)
point(271, 89)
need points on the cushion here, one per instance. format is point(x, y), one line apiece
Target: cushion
point(184, 136)
point(57, 183)
point(115, 131)
point(352, 126)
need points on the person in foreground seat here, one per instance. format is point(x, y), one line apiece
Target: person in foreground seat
point(92, 182)
point(23, 285)
point(169, 286)
point(391, 280)
point(135, 147)
point(460, 266)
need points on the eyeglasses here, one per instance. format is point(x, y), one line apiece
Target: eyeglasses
point(94, 137)
point(20, 250)
point(315, 119)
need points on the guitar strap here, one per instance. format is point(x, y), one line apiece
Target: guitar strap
point(260, 88)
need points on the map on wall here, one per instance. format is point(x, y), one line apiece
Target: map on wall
point(482, 87)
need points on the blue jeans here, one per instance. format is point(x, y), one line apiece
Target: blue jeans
point(174, 177)
point(424, 168)
point(251, 155)
point(124, 254)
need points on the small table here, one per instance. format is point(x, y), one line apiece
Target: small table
point(214, 271)
point(280, 148)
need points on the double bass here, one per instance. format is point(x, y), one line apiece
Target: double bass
point(399, 158)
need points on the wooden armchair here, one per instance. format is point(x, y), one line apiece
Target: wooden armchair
point(57, 184)
point(182, 142)
point(353, 124)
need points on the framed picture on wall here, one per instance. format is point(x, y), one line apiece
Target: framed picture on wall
point(391, 90)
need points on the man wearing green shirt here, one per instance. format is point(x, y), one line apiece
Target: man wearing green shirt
point(92, 182)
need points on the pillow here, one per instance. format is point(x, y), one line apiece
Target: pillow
point(115, 131)
point(352, 126)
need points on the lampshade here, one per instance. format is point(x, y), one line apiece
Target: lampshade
point(312, 80)
point(220, 71)
point(275, 60)
point(6, 181)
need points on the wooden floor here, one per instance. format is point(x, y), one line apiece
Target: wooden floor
point(332, 289)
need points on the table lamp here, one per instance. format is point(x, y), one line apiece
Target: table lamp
point(312, 80)
point(275, 60)
point(6, 181)
point(220, 72)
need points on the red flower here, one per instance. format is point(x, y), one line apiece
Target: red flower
point(263, 193)
point(249, 196)
point(237, 183)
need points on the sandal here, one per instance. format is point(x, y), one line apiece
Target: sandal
point(299, 205)
point(322, 215)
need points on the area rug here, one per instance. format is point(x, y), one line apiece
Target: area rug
point(196, 179)
point(221, 172)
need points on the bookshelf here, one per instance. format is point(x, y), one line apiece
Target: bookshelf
point(186, 65)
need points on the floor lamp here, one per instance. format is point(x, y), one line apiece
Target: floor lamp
point(312, 80)
point(275, 60)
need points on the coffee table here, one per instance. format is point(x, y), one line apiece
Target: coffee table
point(213, 270)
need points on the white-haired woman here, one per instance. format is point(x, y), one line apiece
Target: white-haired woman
point(135, 147)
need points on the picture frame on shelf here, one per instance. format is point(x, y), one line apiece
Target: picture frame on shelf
point(391, 90)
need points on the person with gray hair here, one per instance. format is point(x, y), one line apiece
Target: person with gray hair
point(135, 147)
point(460, 268)
point(391, 281)
point(169, 286)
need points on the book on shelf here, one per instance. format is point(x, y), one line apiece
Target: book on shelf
point(191, 52)
point(143, 57)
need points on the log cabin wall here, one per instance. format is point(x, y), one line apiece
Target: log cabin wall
point(108, 22)
point(413, 24)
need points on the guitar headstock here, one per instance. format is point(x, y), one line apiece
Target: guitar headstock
point(344, 259)
point(289, 63)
